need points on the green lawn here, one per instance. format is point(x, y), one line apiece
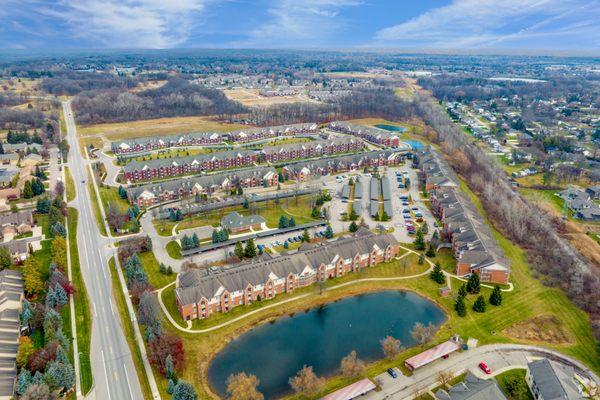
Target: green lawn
point(83, 316)
point(514, 374)
point(151, 266)
point(69, 185)
point(110, 195)
point(96, 206)
point(129, 331)
point(174, 250)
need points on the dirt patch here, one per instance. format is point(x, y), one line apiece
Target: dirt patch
point(252, 98)
point(544, 328)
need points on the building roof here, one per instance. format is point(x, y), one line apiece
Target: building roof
point(554, 381)
point(472, 388)
point(432, 354)
point(235, 220)
point(351, 391)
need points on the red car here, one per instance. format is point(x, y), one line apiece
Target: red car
point(483, 366)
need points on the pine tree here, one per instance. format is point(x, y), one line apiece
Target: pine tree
point(292, 222)
point(315, 212)
point(353, 227)
point(61, 296)
point(195, 240)
point(60, 376)
point(460, 307)
point(26, 313)
point(419, 240)
point(23, 381)
point(50, 298)
point(430, 251)
point(170, 368)
point(421, 259)
point(27, 190)
point(170, 386)
point(329, 232)
point(437, 275)
point(462, 291)
point(283, 222)
point(122, 192)
point(239, 250)
point(246, 205)
point(473, 285)
point(184, 391)
point(479, 305)
point(305, 236)
point(250, 250)
point(496, 296)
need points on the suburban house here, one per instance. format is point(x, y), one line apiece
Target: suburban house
point(202, 292)
point(9, 159)
point(11, 297)
point(370, 134)
point(581, 203)
point(166, 167)
point(22, 148)
point(306, 170)
point(594, 192)
point(7, 174)
point(235, 222)
point(20, 249)
point(549, 380)
point(317, 148)
point(17, 223)
point(144, 145)
point(472, 388)
point(474, 247)
point(175, 189)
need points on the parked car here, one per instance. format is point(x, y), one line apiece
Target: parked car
point(392, 373)
point(419, 219)
point(405, 203)
point(483, 366)
point(401, 186)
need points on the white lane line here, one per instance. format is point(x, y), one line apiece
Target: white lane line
point(127, 379)
point(95, 312)
point(112, 310)
point(105, 374)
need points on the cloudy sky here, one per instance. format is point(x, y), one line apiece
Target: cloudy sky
point(548, 25)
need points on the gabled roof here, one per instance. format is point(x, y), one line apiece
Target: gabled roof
point(554, 381)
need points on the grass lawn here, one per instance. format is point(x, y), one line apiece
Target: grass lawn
point(155, 127)
point(151, 266)
point(170, 153)
point(519, 374)
point(70, 185)
point(96, 206)
point(110, 195)
point(129, 331)
point(83, 316)
point(174, 250)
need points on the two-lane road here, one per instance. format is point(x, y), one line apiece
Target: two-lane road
point(112, 364)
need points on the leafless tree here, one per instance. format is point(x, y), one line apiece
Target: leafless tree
point(352, 366)
point(390, 346)
point(306, 382)
point(243, 387)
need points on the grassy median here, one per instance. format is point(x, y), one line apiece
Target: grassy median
point(96, 206)
point(70, 185)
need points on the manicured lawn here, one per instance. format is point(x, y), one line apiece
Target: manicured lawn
point(171, 153)
point(504, 378)
point(174, 250)
point(83, 316)
point(151, 266)
point(110, 195)
point(70, 184)
point(128, 330)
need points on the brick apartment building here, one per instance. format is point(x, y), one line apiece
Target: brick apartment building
point(203, 292)
point(370, 134)
point(292, 151)
point(474, 247)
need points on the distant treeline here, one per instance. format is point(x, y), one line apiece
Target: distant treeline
point(17, 119)
point(74, 82)
point(177, 97)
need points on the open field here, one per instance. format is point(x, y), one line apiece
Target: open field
point(156, 127)
point(20, 85)
point(250, 97)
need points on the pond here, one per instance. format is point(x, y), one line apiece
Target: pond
point(392, 128)
point(414, 144)
point(321, 337)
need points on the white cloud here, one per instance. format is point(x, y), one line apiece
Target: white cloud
point(300, 23)
point(130, 23)
point(493, 23)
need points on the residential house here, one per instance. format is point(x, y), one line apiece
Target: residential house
point(202, 292)
point(580, 202)
point(7, 175)
point(236, 223)
point(11, 297)
point(472, 388)
point(549, 380)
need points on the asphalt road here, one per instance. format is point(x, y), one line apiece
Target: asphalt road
point(112, 364)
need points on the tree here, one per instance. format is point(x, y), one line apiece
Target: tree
point(59, 251)
point(437, 275)
point(26, 349)
point(184, 391)
point(26, 313)
point(315, 212)
point(329, 232)
point(240, 191)
point(283, 222)
point(353, 227)
point(419, 240)
point(516, 388)
point(286, 245)
point(462, 291)
point(39, 391)
point(292, 222)
point(246, 205)
point(60, 375)
point(421, 333)
point(122, 192)
point(390, 346)
point(239, 250)
point(430, 250)
point(473, 285)
point(280, 177)
point(195, 240)
point(421, 260)
point(250, 250)
point(353, 216)
point(352, 366)
point(306, 382)
point(171, 386)
point(243, 387)
point(163, 346)
point(305, 236)
point(460, 307)
point(27, 190)
point(170, 368)
point(23, 381)
point(5, 258)
point(32, 277)
point(496, 296)
point(479, 305)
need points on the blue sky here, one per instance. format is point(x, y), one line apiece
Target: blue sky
point(547, 25)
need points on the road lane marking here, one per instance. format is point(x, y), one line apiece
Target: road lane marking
point(105, 374)
point(128, 383)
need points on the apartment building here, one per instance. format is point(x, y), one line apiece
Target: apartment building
point(317, 148)
point(370, 134)
point(203, 292)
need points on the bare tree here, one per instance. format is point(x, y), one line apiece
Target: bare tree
point(390, 346)
point(352, 366)
point(243, 387)
point(444, 377)
point(423, 334)
point(306, 382)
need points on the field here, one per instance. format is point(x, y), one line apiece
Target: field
point(155, 127)
point(250, 97)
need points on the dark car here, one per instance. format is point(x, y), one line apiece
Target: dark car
point(392, 373)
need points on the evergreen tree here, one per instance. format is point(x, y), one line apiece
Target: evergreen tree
point(23, 381)
point(286, 245)
point(122, 192)
point(353, 227)
point(315, 212)
point(50, 298)
point(419, 240)
point(479, 305)
point(437, 275)
point(329, 232)
point(43, 205)
point(283, 222)
point(496, 296)
point(26, 313)
point(353, 216)
point(305, 236)
point(170, 386)
point(473, 285)
point(195, 241)
point(280, 177)
point(240, 191)
point(246, 205)
point(61, 356)
point(61, 295)
point(430, 251)
point(250, 250)
point(27, 190)
point(421, 259)
point(215, 236)
point(460, 307)
point(60, 376)
point(162, 268)
point(170, 368)
point(462, 291)
point(239, 250)
point(184, 391)
point(292, 222)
